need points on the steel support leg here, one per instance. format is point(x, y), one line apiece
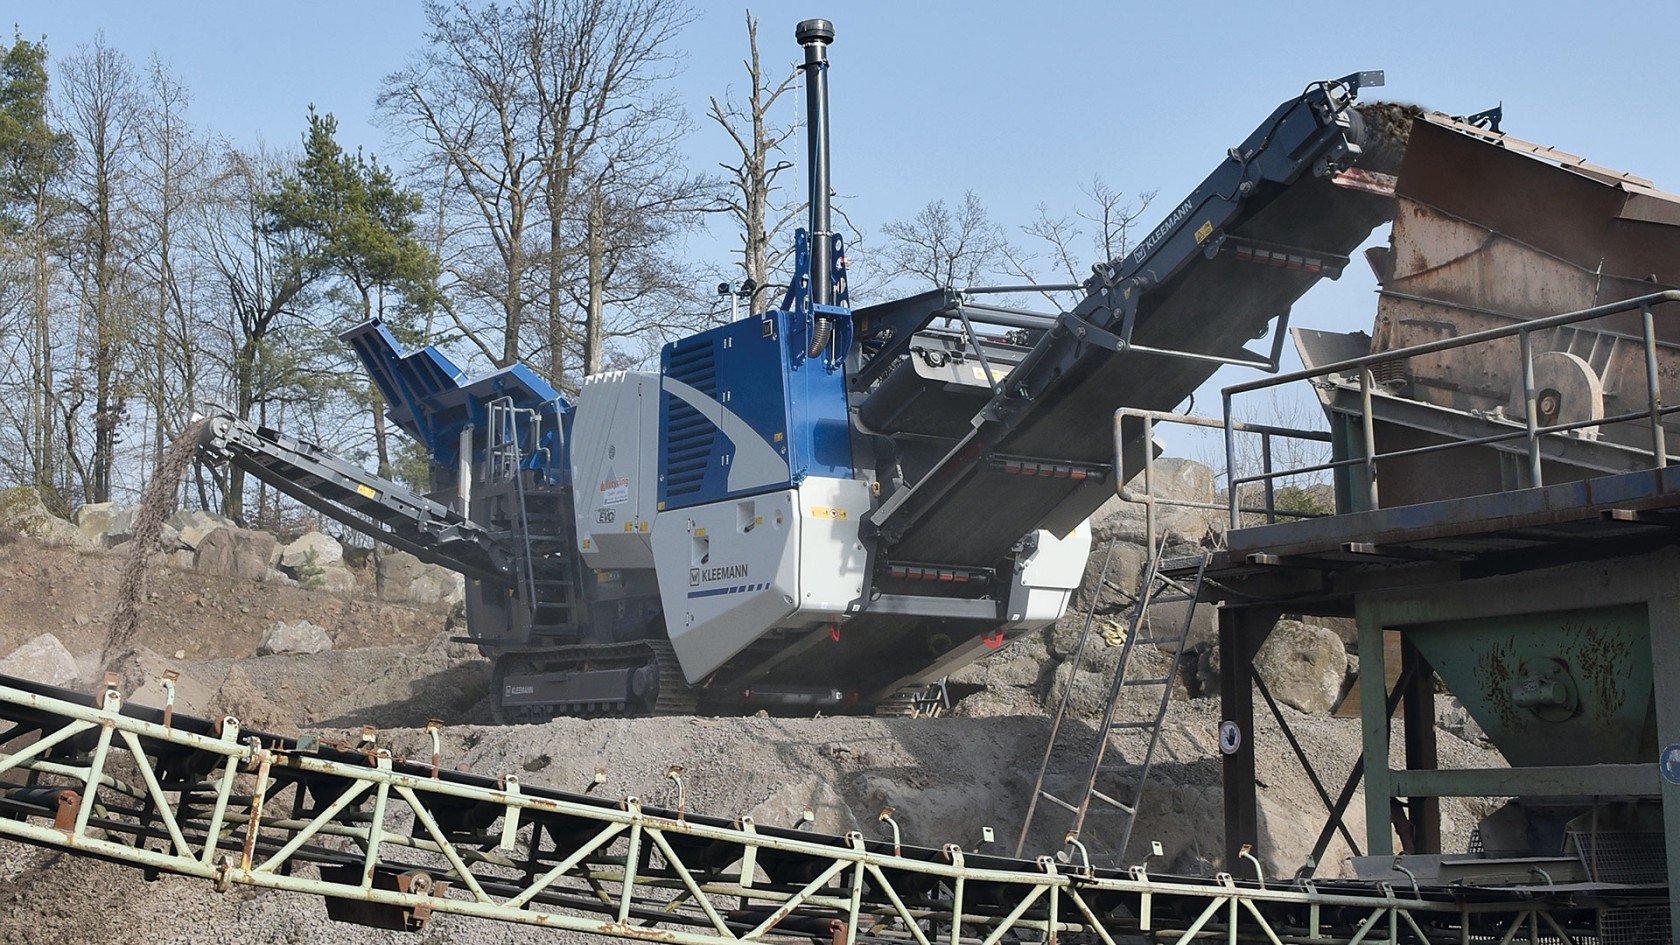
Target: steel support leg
point(1424, 813)
point(1373, 717)
point(1664, 616)
point(1241, 632)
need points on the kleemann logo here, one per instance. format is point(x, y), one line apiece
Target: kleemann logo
point(725, 572)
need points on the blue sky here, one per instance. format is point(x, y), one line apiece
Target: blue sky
point(1020, 102)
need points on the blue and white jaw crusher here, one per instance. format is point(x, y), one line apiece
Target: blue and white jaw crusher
point(822, 507)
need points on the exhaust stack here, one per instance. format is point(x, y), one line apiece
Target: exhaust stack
point(815, 36)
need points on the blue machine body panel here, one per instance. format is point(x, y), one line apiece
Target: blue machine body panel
point(744, 411)
point(433, 400)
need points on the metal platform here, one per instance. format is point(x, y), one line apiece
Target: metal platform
point(1322, 562)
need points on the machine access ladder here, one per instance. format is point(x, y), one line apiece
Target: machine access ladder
point(1105, 781)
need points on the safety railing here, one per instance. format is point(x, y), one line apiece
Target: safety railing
point(1531, 433)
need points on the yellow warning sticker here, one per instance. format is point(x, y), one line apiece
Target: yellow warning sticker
point(366, 490)
point(1203, 230)
point(823, 511)
point(998, 372)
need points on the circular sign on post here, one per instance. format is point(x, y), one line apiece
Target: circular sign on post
point(1670, 764)
point(1230, 738)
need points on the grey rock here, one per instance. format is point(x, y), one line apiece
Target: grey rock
point(22, 512)
point(1304, 666)
point(437, 585)
point(336, 579)
point(183, 519)
point(120, 528)
point(397, 570)
point(235, 553)
point(94, 520)
point(44, 660)
point(1452, 716)
point(290, 638)
point(1019, 664)
point(1181, 480)
point(1125, 565)
point(311, 550)
point(192, 534)
point(1167, 619)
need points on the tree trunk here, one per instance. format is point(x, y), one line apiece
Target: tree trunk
point(594, 326)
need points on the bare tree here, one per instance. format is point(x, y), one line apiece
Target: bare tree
point(170, 167)
point(611, 131)
point(753, 201)
point(946, 247)
point(465, 101)
point(1070, 247)
point(101, 101)
point(263, 276)
point(533, 120)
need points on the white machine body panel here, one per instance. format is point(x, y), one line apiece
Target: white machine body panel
point(615, 456)
point(733, 570)
point(1045, 579)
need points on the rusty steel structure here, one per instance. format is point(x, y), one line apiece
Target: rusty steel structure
point(1507, 501)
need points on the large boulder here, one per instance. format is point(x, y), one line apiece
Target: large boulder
point(94, 520)
point(1303, 665)
point(1451, 716)
point(403, 577)
point(235, 553)
point(121, 526)
point(437, 585)
point(294, 638)
point(22, 512)
point(1174, 479)
point(397, 570)
point(1111, 589)
point(44, 660)
point(183, 519)
point(335, 578)
point(311, 550)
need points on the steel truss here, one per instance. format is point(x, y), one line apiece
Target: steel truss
point(391, 842)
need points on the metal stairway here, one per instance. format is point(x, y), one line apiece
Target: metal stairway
point(1105, 781)
point(537, 519)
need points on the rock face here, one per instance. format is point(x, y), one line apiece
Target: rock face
point(1304, 666)
point(236, 553)
point(294, 638)
point(44, 660)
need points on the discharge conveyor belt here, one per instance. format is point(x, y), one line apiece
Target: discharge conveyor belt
point(392, 842)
